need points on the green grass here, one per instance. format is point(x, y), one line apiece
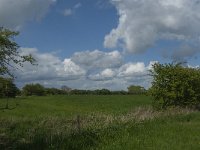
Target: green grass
point(72, 105)
point(167, 133)
point(106, 122)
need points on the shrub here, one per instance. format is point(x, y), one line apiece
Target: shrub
point(33, 89)
point(175, 85)
point(136, 89)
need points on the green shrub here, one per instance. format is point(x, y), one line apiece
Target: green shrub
point(136, 89)
point(175, 85)
point(33, 89)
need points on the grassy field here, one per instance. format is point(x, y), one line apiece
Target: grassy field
point(95, 122)
point(72, 105)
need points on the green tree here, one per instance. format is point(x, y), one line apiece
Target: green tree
point(136, 89)
point(7, 88)
point(9, 54)
point(55, 91)
point(175, 85)
point(33, 89)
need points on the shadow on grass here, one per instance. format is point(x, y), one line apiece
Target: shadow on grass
point(4, 108)
point(74, 141)
point(10, 106)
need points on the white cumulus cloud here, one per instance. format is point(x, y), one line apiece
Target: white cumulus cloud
point(143, 22)
point(83, 70)
point(97, 59)
point(106, 74)
point(70, 68)
point(131, 69)
point(49, 68)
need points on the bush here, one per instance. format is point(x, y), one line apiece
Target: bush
point(175, 85)
point(136, 89)
point(33, 89)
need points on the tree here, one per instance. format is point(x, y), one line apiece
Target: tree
point(175, 85)
point(33, 89)
point(136, 89)
point(66, 88)
point(55, 91)
point(7, 88)
point(102, 92)
point(9, 54)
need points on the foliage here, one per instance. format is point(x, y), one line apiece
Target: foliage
point(68, 91)
point(66, 88)
point(8, 88)
point(97, 92)
point(175, 85)
point(9, 54)
point(33, 89)
point(102, 92)
point(136, 89)
point(55, 91)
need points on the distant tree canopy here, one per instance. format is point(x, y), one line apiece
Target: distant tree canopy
point(97, 92)
point(136, 89)
point(33, 89)
point(37, 89)
point(66, 88)
point(7, 88)
point(91, 92)
point(175, 85)
point(9, 54)
point(55, 91)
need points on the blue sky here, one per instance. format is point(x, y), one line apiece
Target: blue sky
point(90, 44)
point(84, 29)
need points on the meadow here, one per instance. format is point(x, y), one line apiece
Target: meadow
point(95, 122)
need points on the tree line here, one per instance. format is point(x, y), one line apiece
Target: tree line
point(9, 89)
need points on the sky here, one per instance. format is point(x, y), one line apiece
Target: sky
point(94, 44)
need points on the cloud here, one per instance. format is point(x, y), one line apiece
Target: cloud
point(72, 69)
point(49, 68)
point(131, 69)
point(97, 59)
point(135, 71)
point(83, 70)
point(78, 5)
point(182, 52)
point(103, 4)
point(14, 13)
point(106, 74)
point(144, 22)
point(67, 12)
point(71, 11)
point(127, 74)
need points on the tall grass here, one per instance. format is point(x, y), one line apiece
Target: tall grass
point(140, 128)
point(133, 128)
